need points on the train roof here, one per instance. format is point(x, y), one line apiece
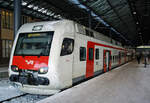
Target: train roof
point(41, 26)
point(50, 26)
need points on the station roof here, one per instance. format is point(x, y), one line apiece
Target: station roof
point(128, 20)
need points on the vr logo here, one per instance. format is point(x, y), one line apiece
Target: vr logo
point(29, 62)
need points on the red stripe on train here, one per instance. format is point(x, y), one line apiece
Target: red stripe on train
point(30, 62)
point(90, 63)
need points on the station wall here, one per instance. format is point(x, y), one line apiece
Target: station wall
point(6, 32)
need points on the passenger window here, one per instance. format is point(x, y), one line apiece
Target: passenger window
point(67, 46)
point(113, 59)
point(90, 53)
point(82, 53)
point(96, 54)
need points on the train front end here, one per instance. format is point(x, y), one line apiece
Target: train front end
point(29, 62)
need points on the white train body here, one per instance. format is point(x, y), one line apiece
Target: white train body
point(74, 53)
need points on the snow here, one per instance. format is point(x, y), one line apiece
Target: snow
point(27, 99)
point(9, 90)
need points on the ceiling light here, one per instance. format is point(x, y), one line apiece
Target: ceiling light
point(51, 14)
point(134, 12)
point(41, 9)
point(35, 7)
point(48, 13)
point(55, 16)
point(24, 3)
point(30, 6)
point(44, 11)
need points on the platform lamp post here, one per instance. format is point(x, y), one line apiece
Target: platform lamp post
point(17, 15)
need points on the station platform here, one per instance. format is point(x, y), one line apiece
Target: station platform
point(4, 72)
point(129, 83)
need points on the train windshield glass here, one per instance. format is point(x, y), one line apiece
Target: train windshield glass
point(34, 44)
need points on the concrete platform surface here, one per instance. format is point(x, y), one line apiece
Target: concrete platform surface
point(129, 83)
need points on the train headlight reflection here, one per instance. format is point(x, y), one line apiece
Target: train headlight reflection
point(14, 68)
point(43, 70)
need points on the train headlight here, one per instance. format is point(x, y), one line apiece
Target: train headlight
point(14, 68)
point(43, 70)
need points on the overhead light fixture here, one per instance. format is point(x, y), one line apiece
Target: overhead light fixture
point(30, 6)
point(40, 10)
point(137, 22)
point(24, 3)
point(35, 7)
point(52, 14)
point(48, 13)
point(44, 11)
point(134, 12)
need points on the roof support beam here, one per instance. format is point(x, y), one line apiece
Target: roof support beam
point(90, 19)
point(126, 26)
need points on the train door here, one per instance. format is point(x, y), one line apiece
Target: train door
point(107, 60)
point(97, 61)
point(90, 60)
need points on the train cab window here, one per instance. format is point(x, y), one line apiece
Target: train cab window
point(90, 53)
point(82, 53)
point(34, 44)
point(67, 46)
point(96, 54)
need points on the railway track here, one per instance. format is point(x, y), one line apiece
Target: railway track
point(15, 97)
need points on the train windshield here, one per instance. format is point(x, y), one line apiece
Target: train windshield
point(34, 44)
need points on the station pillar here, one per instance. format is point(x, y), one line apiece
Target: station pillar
point(17, 15)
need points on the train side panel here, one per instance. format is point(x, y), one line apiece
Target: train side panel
point(79, 63)
point(65, 54)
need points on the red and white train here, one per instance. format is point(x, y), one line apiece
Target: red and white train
point(50, 56)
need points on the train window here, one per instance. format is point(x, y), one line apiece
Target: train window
point(113, 59)
point(90, 53)
point(96, 54)
point(82, 53)
point(67, 46)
